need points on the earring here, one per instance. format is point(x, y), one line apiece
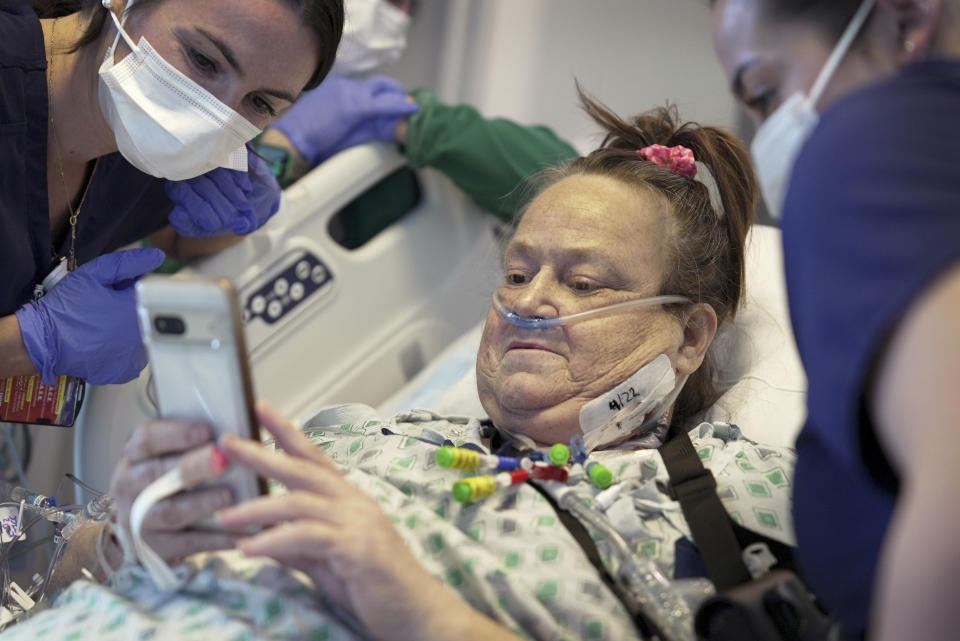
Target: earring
point(908, 46)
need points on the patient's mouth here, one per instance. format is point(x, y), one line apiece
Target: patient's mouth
point(528, 345)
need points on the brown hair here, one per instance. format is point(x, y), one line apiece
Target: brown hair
point(706, 246)
point(325, 17)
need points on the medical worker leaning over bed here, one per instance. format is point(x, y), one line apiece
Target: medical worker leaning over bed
point(871, 233)
point(114, 119)
point(486, 158)
point(658, 215)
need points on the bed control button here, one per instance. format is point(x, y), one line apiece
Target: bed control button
point(303, 270)
point(296, 291)
point(274, 309)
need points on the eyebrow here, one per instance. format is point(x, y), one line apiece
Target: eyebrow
point(579, 254)
point(223, 47)
point(231, 59)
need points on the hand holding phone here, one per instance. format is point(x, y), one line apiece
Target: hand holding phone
point(193, 333)
point(170, 527)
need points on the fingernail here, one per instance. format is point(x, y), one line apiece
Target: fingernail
point(218, 460)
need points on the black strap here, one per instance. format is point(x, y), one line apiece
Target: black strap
point(589, 547)
point(695, 488)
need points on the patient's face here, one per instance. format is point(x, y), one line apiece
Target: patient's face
point(585, 242)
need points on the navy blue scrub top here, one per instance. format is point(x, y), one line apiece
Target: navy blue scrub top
point(871, 222)
point(122, 204)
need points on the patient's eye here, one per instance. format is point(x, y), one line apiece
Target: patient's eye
point(582, 286)
point(516, 278)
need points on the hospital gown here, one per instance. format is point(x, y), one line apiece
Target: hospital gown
point(508, 555)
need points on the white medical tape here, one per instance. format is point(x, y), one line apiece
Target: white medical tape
point(167, 485)
point(629, 406)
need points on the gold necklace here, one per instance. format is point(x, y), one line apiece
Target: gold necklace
point(71, 256)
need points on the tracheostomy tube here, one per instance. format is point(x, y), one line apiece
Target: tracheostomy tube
point(539, 322)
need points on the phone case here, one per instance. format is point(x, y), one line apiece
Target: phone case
point(192, 329)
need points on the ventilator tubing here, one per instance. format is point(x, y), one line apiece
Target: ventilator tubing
point(539, 322)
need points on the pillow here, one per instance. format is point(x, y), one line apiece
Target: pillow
point(758, 367)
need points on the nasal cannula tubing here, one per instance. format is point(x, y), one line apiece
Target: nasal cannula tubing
point(537, 322)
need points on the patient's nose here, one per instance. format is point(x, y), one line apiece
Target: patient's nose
point(537, 297)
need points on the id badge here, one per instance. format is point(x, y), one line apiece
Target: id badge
point(24, 399)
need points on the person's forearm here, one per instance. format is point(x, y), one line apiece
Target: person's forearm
point(14, 359)
point(299, 166)
point(185, 248)
point(81, 552)
point(916, 595)
point(436, 613)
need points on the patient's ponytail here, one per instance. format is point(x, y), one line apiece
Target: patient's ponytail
point(709, 229)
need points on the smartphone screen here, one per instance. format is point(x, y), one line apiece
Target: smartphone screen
point(24, 399)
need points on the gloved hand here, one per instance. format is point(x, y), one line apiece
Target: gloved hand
point(343, 112)
point(224, 201)
point(86, 325)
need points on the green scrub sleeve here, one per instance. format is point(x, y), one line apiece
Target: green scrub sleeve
point(489, 159)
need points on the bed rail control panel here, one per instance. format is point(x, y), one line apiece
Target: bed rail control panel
point(284, 287)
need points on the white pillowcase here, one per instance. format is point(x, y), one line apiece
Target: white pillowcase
point(757, 360)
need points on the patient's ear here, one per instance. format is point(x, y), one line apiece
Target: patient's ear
point(698, 333)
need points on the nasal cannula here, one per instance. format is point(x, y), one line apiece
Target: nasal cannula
point(539, 322)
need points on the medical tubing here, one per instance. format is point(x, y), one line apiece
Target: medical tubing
point(58, 551)
point(15, 494)
point(536, 322)
point(662, 605)
point(99, 509)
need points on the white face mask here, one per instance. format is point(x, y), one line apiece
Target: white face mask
point(374, 36)
point(165, 124)
point(779, 140)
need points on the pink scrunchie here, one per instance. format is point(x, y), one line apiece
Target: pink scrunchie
point(677, 159)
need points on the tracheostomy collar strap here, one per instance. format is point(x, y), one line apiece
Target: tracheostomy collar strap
point(539, 322)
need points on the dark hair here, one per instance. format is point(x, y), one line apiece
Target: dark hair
point(707, 246)
point(325, 17)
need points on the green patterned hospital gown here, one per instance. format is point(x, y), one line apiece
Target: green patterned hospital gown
point(508, 555)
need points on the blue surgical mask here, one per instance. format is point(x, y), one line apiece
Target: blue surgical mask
point(779, 140)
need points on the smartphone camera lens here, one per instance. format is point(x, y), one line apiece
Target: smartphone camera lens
point(169, 325)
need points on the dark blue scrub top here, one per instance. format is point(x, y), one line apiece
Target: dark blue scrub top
point(872, 219)
point(122, 204)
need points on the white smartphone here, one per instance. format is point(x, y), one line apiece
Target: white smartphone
point(193, 332)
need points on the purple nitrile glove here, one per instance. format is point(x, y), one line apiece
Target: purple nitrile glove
point(224, 201)
point(343, 112)
point(86, 325)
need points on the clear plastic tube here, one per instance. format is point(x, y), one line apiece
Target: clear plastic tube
point(538, 322)
point(98, 509)
point(662, 604)
point(15, 494)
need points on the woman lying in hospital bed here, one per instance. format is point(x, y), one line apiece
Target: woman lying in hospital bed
point(379, 547)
